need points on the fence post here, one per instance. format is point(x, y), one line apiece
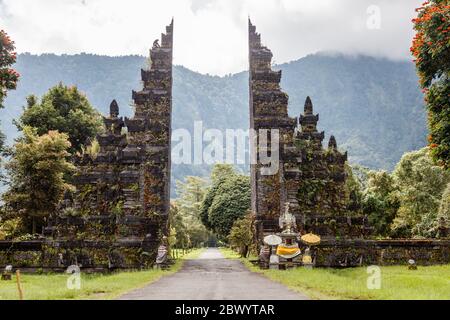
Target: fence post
point(19, 285)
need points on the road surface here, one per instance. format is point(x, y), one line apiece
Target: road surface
point(212, 277)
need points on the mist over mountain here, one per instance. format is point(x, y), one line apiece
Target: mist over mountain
point(373, 106)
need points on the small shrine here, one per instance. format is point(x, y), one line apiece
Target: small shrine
point(288, 250)
point(282, 250)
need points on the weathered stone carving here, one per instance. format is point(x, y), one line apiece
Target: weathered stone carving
point(311, 179)
point(127, 181)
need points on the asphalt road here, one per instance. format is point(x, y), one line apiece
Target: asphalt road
point(212, 277)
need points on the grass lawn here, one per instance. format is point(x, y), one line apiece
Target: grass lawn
point(93, 286)
point(397, 282)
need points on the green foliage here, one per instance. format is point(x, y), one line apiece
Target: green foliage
point(431, 48)
point(421, 185)
point(36, 170)
point(10, 228)
point(2, 146)
point(242, 234)
point(444, 207)
point(221, 172)
point(66, 110)
point(185, 213)
point(8, 76)
point(380, 201)
point(353, 187)
point(438, 105)
point(227, 200)
point(410, 201)
point(92, 149)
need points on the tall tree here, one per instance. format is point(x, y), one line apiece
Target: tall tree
point(431, 49)
point(227, 200)
point(188, 223)
point(66, 110)
point(242, 234)
point(421, 185)
point(444, 207)
point(36, 170)
point(8, 76)
point(380, 201)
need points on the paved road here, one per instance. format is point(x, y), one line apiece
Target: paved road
point(212, 277)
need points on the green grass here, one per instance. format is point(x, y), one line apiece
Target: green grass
point(397, 282)
point(93, 286)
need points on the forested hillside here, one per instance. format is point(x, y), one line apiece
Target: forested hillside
point(372, 106)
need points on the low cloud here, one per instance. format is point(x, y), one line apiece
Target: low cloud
point(211, 35)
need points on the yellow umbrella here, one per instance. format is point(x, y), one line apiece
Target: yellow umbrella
point(310, 239)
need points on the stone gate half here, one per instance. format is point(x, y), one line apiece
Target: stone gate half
point(123, 192)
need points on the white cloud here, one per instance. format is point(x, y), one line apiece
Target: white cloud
point(210, 35)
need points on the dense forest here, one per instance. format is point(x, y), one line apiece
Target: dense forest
point(373, 106)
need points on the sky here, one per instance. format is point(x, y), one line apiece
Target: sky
point(210, 36)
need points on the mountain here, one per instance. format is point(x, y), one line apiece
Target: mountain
point(373, 106)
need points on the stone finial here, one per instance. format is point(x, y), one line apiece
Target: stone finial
point(332, 144)
point(114, 109)
point(308, 106)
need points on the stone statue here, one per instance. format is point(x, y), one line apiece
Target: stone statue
point(162, 252)
point(7, 273)
point(156, 44)
point(264, 254)
point(287, 221)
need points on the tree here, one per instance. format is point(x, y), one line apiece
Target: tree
point(227, 200)
point(190, 230)
point(380, 202)
point(431, 49)
point(354, 185)
point(421, 184)
point(219, 173)
point(66, 110)
point(8, 76)
point(444, 207)
point(242, 234)
point(178, 231)
point(36, 170)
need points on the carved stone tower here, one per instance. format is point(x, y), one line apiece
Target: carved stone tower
point(268, 117)
point(122, 196)
point(311, 179)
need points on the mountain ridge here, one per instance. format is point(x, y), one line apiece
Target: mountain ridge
point(373, 106)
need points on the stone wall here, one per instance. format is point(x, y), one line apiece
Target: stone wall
point(353, 253)
point(103, 255)
point(89, 255)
